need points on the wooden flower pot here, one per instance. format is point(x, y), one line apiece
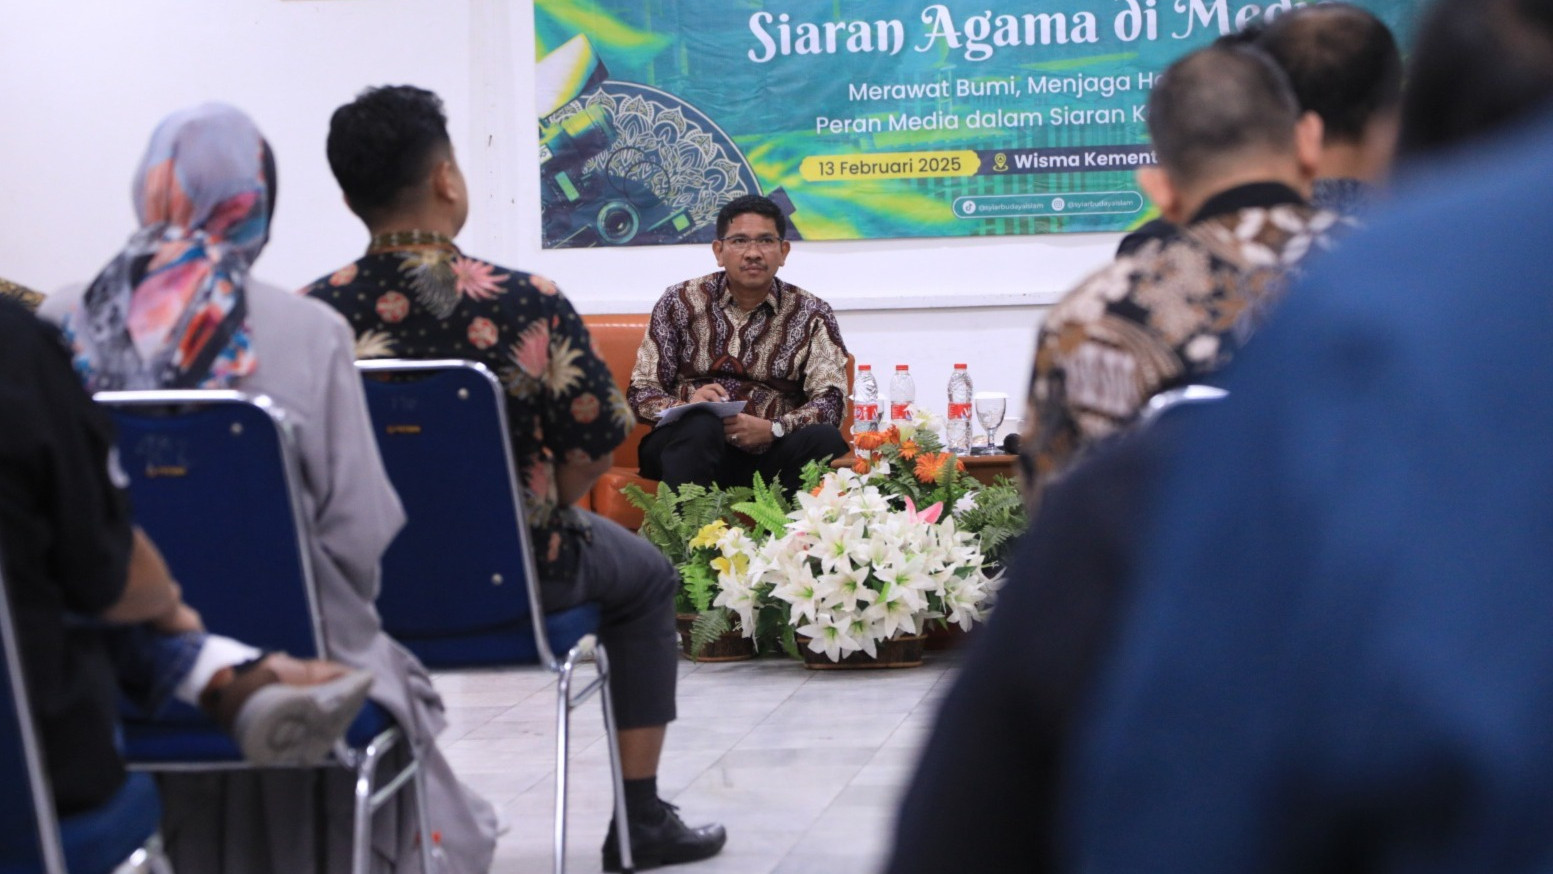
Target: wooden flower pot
point(897, 652)
point(732, 646)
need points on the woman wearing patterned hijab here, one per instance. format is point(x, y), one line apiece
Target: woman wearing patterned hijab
point(169, 311)
point(178, 308)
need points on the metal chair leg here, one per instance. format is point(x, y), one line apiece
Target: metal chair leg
point(566, 672)
point(150, 858)
point(563, 712)
point(429, 850)
point(368, 797)
point(361, 825)
point(612, 737)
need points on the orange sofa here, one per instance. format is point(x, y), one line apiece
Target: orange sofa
point(617, 337)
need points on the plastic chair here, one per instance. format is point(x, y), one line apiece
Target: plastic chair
point(1171, 398)
point(459, 584)
point(215, 483)
point(118, 835)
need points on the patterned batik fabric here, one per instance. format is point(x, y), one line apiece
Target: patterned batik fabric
point(168, 311)
point(21, 294)
point(429, 300)
point(785, 357)
point(1168, 315)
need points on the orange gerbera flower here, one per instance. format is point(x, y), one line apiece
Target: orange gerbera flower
point(892, 434)
point(870, 440)
point(909, 450)
point(930, 465)
point(860, 466)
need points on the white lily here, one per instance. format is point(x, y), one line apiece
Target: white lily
point(893, 611)
point(741, 601)
point(851, 590)
point(831, 637)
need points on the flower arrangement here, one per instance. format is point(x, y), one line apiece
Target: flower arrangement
point(908, 460)
point(852, 570)
point(851, 560)
point(709, 535)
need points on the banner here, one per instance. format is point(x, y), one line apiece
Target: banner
point(886, 118)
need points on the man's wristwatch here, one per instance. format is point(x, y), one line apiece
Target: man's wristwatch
point(777, 431)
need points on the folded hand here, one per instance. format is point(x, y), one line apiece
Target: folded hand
point(746, 431)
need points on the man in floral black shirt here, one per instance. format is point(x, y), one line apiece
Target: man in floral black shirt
point(416, 295)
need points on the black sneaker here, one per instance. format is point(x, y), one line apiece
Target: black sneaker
point(665, 841)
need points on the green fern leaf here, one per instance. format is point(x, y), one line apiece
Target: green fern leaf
point(769, 521)
point(790, 643)
point(698, 585)
point(812, 473)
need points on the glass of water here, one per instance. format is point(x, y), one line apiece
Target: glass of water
point(990, 407)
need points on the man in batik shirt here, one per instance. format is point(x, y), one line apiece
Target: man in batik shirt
point(1236, 160)
point(741, 334)
point(416, 295)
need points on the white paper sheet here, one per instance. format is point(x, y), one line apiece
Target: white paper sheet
point(720, 409)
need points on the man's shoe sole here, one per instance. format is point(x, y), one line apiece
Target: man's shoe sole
point(298, 725)
point(647, 862)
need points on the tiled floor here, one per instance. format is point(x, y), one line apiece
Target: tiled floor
point(803, 767)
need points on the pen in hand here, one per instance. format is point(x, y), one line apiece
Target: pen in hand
point(709, 392)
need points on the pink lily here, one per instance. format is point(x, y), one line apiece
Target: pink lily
point(929, 515)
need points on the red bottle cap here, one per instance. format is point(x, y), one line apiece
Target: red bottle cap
point(865, 367)
point(959, 367)
point(900, 367)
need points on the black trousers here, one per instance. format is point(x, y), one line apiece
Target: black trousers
point(694, 450)
point(635, 585)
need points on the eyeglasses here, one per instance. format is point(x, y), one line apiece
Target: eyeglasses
point(739, 244)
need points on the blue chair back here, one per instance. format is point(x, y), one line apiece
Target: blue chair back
point(1180, 397)
point(244, 560)
point(214, 481)
point(458, 584)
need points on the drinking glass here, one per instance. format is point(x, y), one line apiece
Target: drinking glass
point(990, 407)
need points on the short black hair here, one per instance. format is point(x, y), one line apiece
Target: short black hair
point(385, 142)
point(1220, 102)
point(1245, 36)
point(751, 203)
point(1478, 66)
point(1342, 62)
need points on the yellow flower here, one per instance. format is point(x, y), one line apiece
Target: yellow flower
point(732, 566)
point(708, 534)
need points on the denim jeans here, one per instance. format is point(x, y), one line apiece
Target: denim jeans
point(150, 664)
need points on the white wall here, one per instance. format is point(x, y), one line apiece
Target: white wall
point(86, 80)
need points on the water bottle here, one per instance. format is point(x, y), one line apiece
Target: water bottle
point(903, 393)
point(957, 429)
point(865, 401)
